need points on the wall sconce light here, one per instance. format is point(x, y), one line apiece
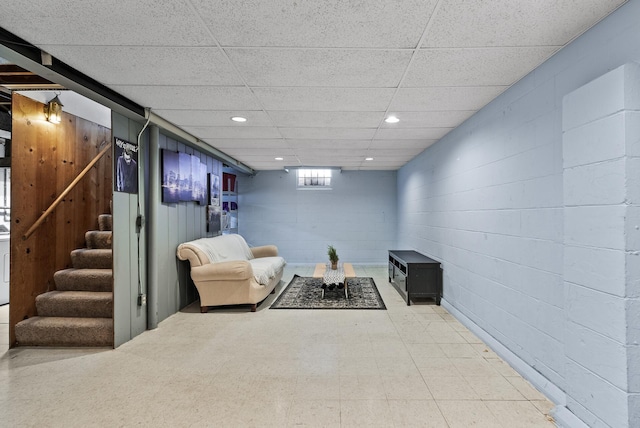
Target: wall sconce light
point(53, 110)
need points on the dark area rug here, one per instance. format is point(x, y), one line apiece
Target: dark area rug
point(306, 293)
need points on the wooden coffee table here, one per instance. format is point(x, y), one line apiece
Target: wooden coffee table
point(345, 269)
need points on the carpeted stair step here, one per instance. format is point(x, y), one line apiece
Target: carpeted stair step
point(86, 258)
point(105, 222)
point(100, 239)
point(82, 304)
point(84, 280)
point(62, 331)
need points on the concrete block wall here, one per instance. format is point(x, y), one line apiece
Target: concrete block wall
point(601, 237)
point(357, 216)
point(488, 201)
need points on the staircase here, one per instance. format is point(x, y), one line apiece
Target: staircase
point(80, 311)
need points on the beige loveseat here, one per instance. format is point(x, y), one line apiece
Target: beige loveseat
point(226, 271)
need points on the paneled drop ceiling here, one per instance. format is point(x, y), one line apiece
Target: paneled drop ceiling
point(315, 79)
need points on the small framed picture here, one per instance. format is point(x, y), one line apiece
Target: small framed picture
point(214, 189)
point(214, 223)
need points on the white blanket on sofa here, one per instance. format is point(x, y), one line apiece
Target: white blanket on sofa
point(233, 247)
point(265, 268)
point(224, 248)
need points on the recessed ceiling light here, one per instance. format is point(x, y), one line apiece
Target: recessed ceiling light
point(392, 119)
point(279, 158)
point(239, 119)
point(368, 159)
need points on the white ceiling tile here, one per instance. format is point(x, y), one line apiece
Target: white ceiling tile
point(396, 157)
point(380, 167)
point(336, 64)
point(107, 22)
point(389, 23)
point(444, 98)
point(251, 159)
point(404, 153)
point(260, 151)
point(248, 143)
point(321, 67)
point(429, 119)
point(267, 165)
point(213, 117)
point(324, 153)
point(325, 99)
point(328, 133)
point(411, 133)
point(139, 65)
point(329, 144)
point(399, 158)
point(463, 23)
point(328, 119)
point(315, 160)
point(190, 97)
point(233, 131)
point(474, 66)
point(401, 144)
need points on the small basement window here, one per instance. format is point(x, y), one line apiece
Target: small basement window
point(314, 178)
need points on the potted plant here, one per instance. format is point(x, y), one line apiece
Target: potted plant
point(333, 257)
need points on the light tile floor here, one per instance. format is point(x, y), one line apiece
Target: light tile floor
point(408, 366)
point(4, 328)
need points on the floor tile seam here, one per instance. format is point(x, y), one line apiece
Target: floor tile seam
point(444, 418)
point(527, 384)
point(487, 408)
point(416, 365)
point(493, 389)
point(544, 415)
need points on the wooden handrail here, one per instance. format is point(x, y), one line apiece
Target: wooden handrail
point(70, 187)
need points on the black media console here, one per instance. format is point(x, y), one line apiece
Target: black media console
point(415, 275)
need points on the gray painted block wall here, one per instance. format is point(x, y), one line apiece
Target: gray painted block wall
point(601, 140)
point(358, 216)
point(488, 200)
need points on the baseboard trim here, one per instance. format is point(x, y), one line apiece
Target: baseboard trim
point(562, 415)
point(367, 264)
point(564, 418)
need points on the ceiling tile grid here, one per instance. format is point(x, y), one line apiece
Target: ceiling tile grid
point(343, 68)
point(315, 80)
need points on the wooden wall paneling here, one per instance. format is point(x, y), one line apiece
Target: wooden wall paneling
point(106, 170)
point(45, 159)
point(86, 192)
point(174, 224)
point(23, 180)
point(100, 176)
point(162, 240)
point(65, 171)
point(174, 219)
point(121, 282)
point(84, 210)
point(182, 234)
point(201, 208)
point(61, 156)
point(137, 240)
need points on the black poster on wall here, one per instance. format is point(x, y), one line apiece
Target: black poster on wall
point(126, 166)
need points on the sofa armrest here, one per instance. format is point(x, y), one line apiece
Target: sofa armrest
point(195, 255)
point(236, 270)
point(264, 251)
